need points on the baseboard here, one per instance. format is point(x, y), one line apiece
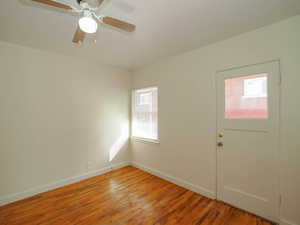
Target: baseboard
point(44, 188)
point(195, 188)
point(190, 186)
point(120, 165)
point(286, 222)
point(200, 190)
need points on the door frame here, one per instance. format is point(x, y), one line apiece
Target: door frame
point(278, 149)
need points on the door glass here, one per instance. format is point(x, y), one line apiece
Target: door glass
point(246, 97)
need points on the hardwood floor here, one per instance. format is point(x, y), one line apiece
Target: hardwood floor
point(125, 196)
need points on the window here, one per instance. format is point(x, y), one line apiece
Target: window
point(255, 87)
point(246, 97)
point(144, 113)
point(145, 98)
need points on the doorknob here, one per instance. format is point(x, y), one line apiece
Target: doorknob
point(220, 140)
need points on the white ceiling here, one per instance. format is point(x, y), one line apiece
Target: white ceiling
point(164, 27)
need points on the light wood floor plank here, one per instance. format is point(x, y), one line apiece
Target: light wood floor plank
point(127, 196)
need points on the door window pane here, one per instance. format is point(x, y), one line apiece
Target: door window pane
point(246, 97)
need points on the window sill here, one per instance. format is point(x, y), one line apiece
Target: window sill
point(146, 140)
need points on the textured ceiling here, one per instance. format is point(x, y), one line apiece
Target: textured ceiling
point(164, 27)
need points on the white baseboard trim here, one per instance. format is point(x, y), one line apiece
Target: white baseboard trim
point(195, 188)
point(44, 188)
point(286, 222)
point(120, 165)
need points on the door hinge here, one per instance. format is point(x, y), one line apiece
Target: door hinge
point(280, 80)
point(280, 200)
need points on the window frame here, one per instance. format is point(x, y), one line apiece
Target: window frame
point(133, 104)
point(262, 75)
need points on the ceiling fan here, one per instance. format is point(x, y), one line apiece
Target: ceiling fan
point(90, 16)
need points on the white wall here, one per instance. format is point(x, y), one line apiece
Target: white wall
point(187, 109)
point(57, 114)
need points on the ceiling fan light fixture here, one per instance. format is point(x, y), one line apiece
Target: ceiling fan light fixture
point(88, 24)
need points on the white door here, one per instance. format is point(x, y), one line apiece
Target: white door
point(247, 138)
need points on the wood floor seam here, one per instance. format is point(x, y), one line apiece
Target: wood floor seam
point(127, 196)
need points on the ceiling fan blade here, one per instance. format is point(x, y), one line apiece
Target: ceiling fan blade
point(119, 24)
point(100, 2)
point(78, 36)
point(54, 3)
point(93, 3)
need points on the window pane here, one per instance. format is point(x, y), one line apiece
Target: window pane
point(145, 113)
point(246, 97)
point(145, 98)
